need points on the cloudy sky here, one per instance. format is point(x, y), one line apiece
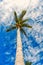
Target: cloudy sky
point(33, 46)
point(7, 7)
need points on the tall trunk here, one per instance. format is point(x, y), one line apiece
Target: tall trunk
point(19, 55)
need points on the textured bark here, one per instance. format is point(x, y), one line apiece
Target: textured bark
point(19, 55)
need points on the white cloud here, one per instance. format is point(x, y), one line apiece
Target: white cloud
point(12, 58)
point(39, 51)
point(37, 32)
point(7, 53)
point(8, 6)
point(36, 27)
point(34, 3)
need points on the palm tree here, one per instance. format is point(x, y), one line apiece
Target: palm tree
point(19, 25)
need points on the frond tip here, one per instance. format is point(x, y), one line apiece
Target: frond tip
point(28, 63)
point(11, 28)
point(22, 14)
point(16, 17)
point(26, 25)
point(23, 31)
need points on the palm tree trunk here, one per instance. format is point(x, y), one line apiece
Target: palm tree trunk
point(19, 55)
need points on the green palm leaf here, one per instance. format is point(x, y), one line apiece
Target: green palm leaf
point(22, 14)
point(11, 28)
point(26, 25)
point(23, 31)
point(16, 17)
point(23, 21)
point(28, 63)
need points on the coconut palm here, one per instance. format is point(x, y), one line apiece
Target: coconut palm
point(20, 24)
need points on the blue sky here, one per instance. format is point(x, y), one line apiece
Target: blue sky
point(33, 46)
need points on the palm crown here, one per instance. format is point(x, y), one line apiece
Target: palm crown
point(20, 23)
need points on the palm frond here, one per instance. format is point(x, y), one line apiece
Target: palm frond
point(23, 31)
point(16, 18)
point(26, 25)
point(22, 14)
point(11, 28)
point(28, 63)
point(23, 21)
